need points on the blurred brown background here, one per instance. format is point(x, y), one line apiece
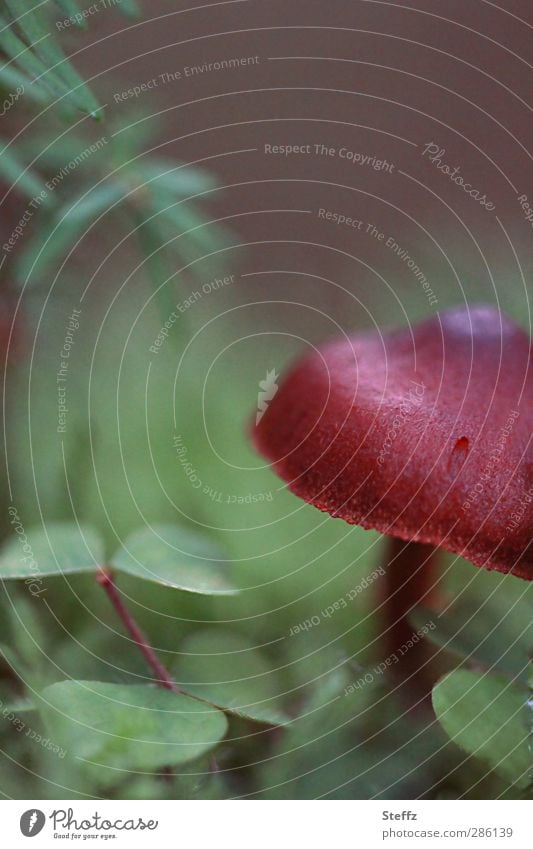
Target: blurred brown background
point(387, 80)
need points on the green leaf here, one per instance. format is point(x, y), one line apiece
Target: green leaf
point(486, 716)
point(47, 250)
point(49, 247)
point(192, 225)
point(16, 706)
point(186, 235)
point(29, 635)
point(54, 242)
point(70, 9)
point(11, 78)
point(132, 135)
point(43, 58)
point(35, 262)
point(176, 179)
point(97, 201)
point(29, 18)
point(487, 633)
point(60, 548)
point(35, 27)
point(12, 659)
point(27, 61)
point(195, 238)
point(175, 557)
point(14, 172)
point(56, 155)
point(359, 746)
point(151, 245)
point(130, 8)
point(130, 727)
point(226, 669)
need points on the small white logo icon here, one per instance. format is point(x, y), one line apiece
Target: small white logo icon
point(32, 822)
point(268, 388)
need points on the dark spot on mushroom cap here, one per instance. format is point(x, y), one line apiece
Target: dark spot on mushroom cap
point(458, 455)
point(421, 433)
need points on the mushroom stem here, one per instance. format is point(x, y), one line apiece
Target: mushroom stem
point(409, 581)
point(106, 580)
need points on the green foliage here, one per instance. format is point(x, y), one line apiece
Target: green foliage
point(112, 185)
point(40, 54)
point(492, 630)
point(227, 670)
point(132, 728)
point(487, 717)
point(165, 555)
point(357, 746)
point(151, 200)
point(30, 40)
point(13, 171)
point(175, 557)
point(273, 704)
point(60, 548)
point(20, 706)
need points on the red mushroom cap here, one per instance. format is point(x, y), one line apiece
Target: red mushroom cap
point(423, 433)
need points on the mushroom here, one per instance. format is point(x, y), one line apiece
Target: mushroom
point(423, 434)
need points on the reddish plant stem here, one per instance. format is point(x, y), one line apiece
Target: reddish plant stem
point(410, 576)
point(106, 580)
